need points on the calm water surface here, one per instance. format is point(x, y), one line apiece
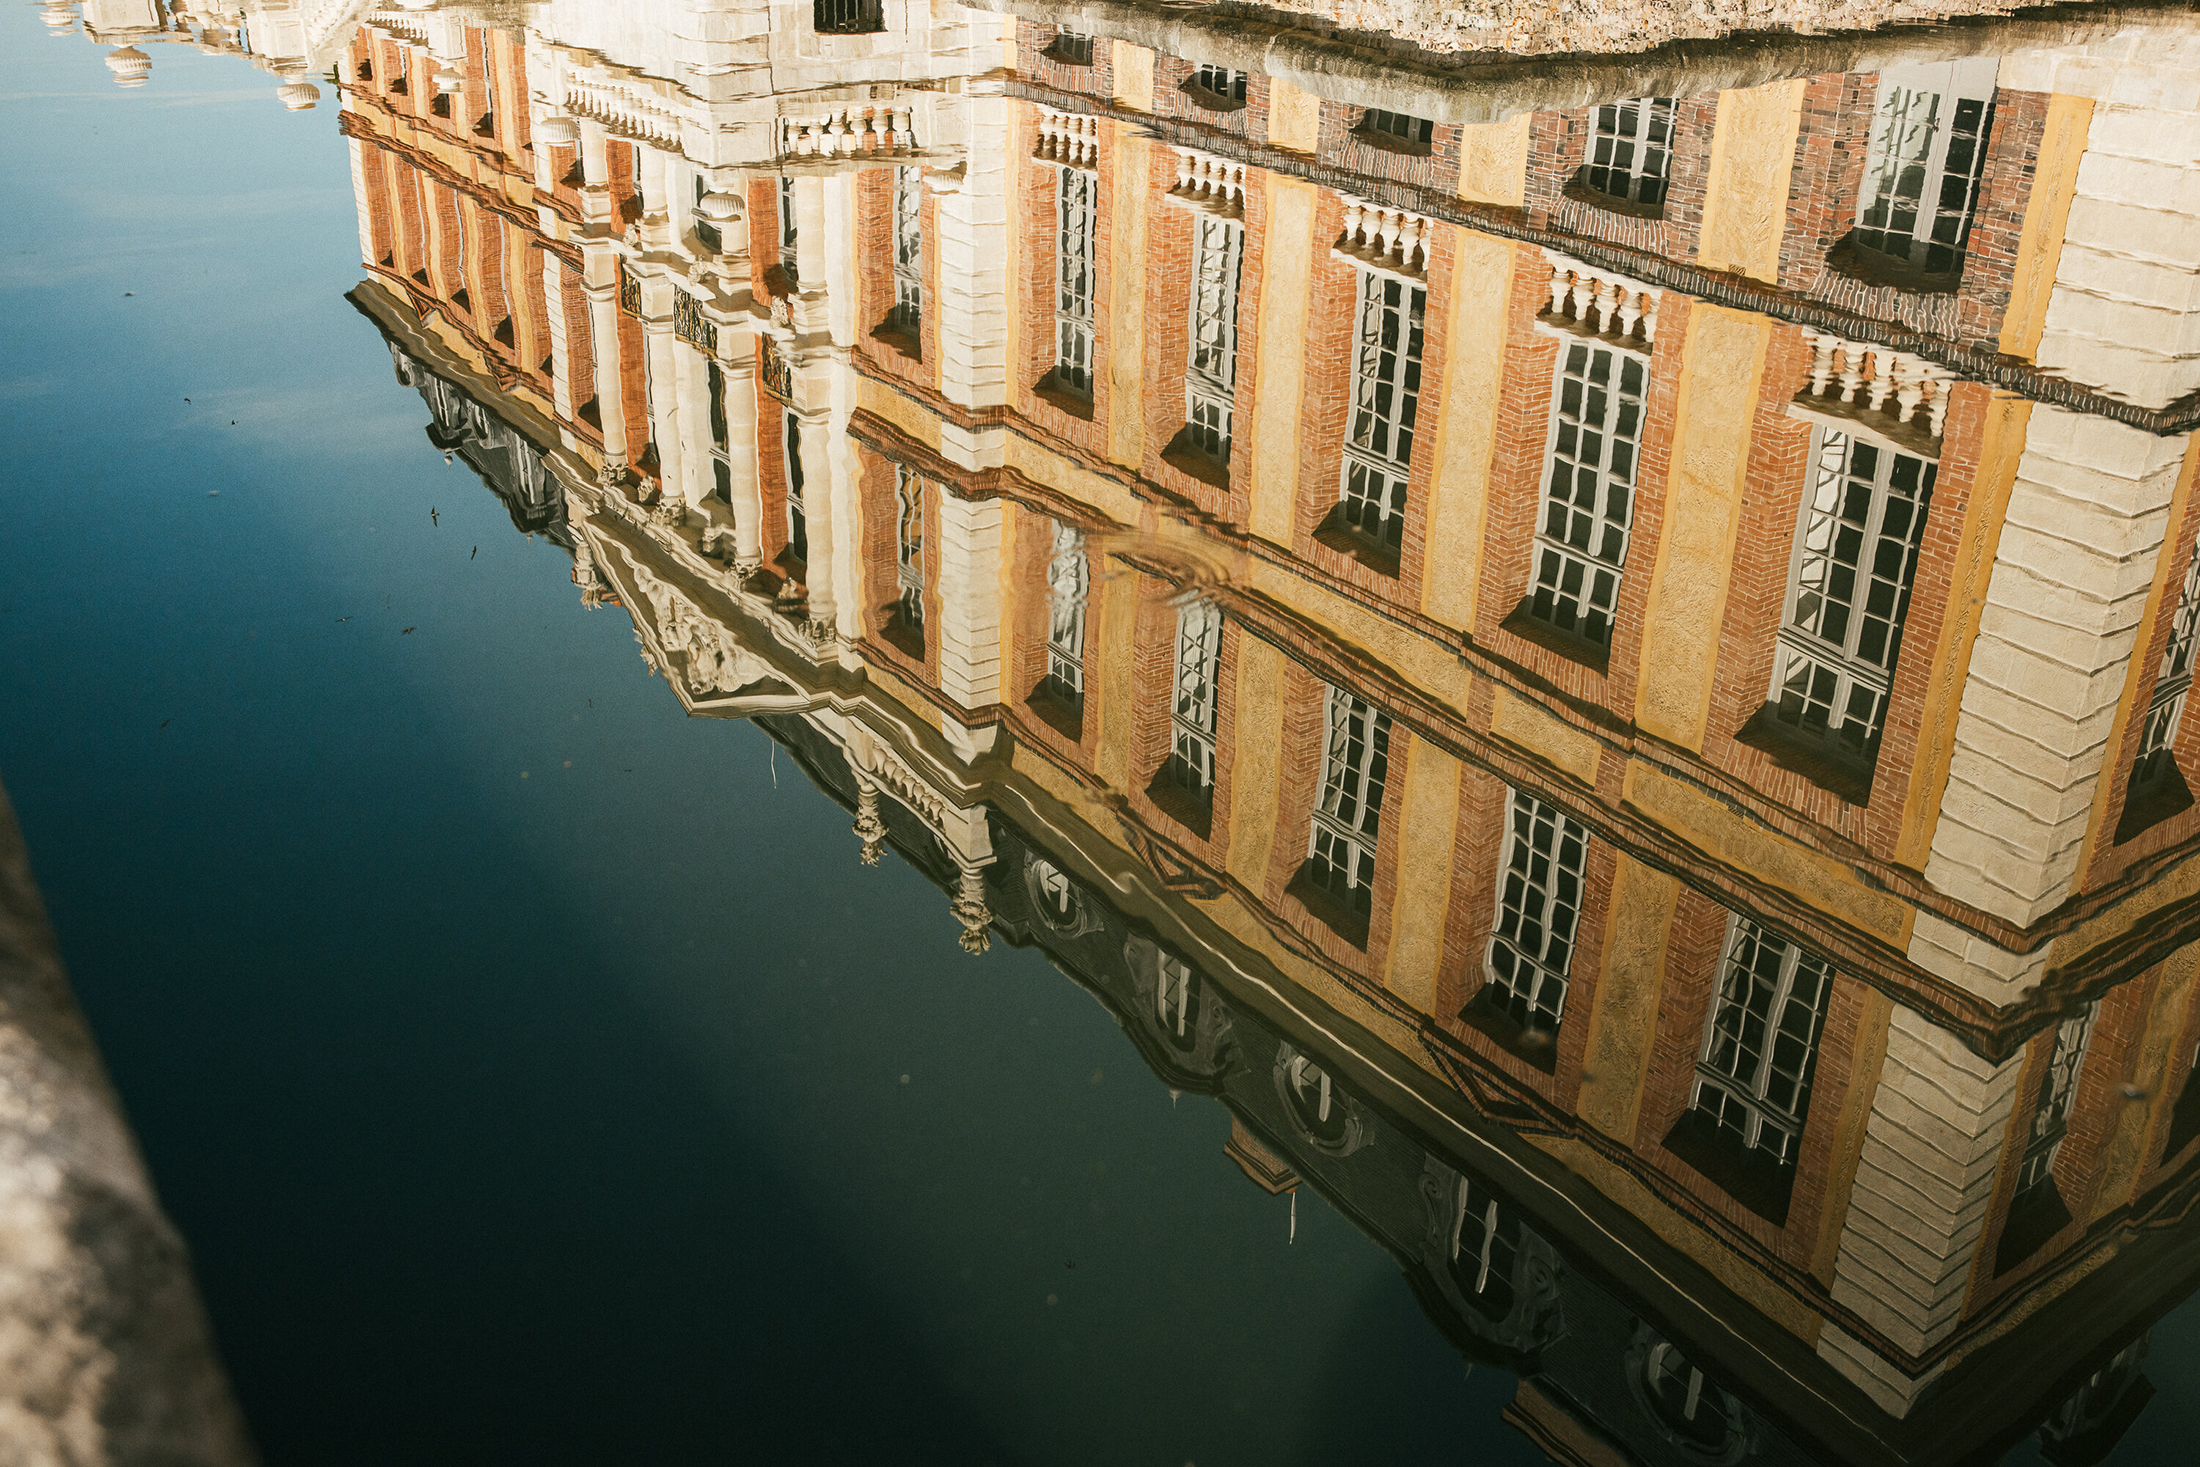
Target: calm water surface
point(534, 1070)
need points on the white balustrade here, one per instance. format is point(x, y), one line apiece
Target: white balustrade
point(1068, 138)
point(849, 132)
point(1203, 181)
point(1854, 370)
point(1383, 238)
point(1603, 301)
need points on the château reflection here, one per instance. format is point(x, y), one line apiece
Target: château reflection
point(1609, 677)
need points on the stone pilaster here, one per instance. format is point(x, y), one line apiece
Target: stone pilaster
point(970, 550)
point(972, 246)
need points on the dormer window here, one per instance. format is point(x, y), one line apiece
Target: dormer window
point(1216, 88)
point(1070, 48)
point(848, 17)
point(1930, 126)
point(1396, 132)
point(1631, 152)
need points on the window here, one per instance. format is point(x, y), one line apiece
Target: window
point(1076, 235)
point(1921, 175)
point(1485, 1242)
point(486, 125)
point(1760, 1044)
point(1378, 450)
point(2154, 767)
point(1069, 583)
point(1849, 592)
point(1054, 895)
point(798, 523)
point(1071, 48)
point(721, 467)
point(1175, 1002)
point(907, 315)
point(1538, 905)
point(848, 17)
point(1589, 503)
point(1694, 1412)
point(1631, 151)
point(908, 613)
point(787, 230)
point(1395, 129)
point(1192, 713)
point(1217, 88)
point(2051, 1116)
point(706, 233)
point(1210, 379)
point(1319, 1110)
point(1347, 816)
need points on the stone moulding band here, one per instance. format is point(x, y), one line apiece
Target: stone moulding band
point(1734, 292)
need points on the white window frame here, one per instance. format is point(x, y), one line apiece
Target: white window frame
point(909, 547)
point(789, 232)
point(1744, 1083)
point(1193, 695)
point(907, 312)
point(1539, 890)
point(1173, 994)
point(1931, 127)
point(798, 514)
point(1069, 590)
point(1210, 374)
point(1385, 408)
point(1630, 154)
point(1347, 818)
point(2172, 683)
point(1578, 562)
point(2058, 1088)
point(1846, 677)
point(1212, 80)
point(1077, 231)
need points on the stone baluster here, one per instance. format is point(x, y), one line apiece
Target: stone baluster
point(1562, 280)
point(1881, 382)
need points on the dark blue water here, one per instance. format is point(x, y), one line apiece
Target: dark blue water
point(534, 1072)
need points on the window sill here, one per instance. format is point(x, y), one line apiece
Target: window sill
point(1749, 1177)
point(1058, 709)
point(900, 340)
point(1186, 459)
point(1192, 809)
point(1577, 188)
point(1323, 907)
point(902, 637)
point(1854, 261)
point(1383, 142)
point(1076, 404)
point(1486, 1014)
point(1522, 623)
point(1336, 532)
point(1844, 779)
point(2148, 805)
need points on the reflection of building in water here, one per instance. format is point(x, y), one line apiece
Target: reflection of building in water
point(1611, 678)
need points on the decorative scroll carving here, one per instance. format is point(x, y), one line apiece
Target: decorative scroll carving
point(1601, 303)
point(696, 648)
point(1379, 237)
point(1070, 139)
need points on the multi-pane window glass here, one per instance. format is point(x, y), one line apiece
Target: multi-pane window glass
point(908, 548)
point(1220, 82)
point(1538, 907)
point(907, 315)
point(1210, 379)
point(1485, 1242)
point(1069, 586)
point(1077, 230)
point(1386, 397)
point(1348, 815)
point(1192, 713)
point(1589, 499)
point(798, 520)
point(1631, 153)
point(1175, 1001)
point(1855, 555)
point(1694, 1408)
point(1760, 1044)
point(787, 230)
point(1071, 48)
point(2166, 708)
point(2051, 1116)
point(1415, 130)
point(720, 467)
point(847, 17)
point(1921, 175)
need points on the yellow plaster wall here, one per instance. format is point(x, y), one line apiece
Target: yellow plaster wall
point(1279, 367)
point(1525, 726)
point(1127, 300)
point(1493, 162)
point(1745, 195)
point(1423, 663)
point(1720, 368)
point(2124, 1157)
point(2046, 212)
point(912, 417)
point(1118, 661)
point(1430, 811)
point(1256, 761)
point(1721, 834)
point(1133, 76)
point(1294, 117)
point(1623, 1019)
point(1466, 432)
point(2001, 446)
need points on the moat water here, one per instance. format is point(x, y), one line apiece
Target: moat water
point(533, 1070)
